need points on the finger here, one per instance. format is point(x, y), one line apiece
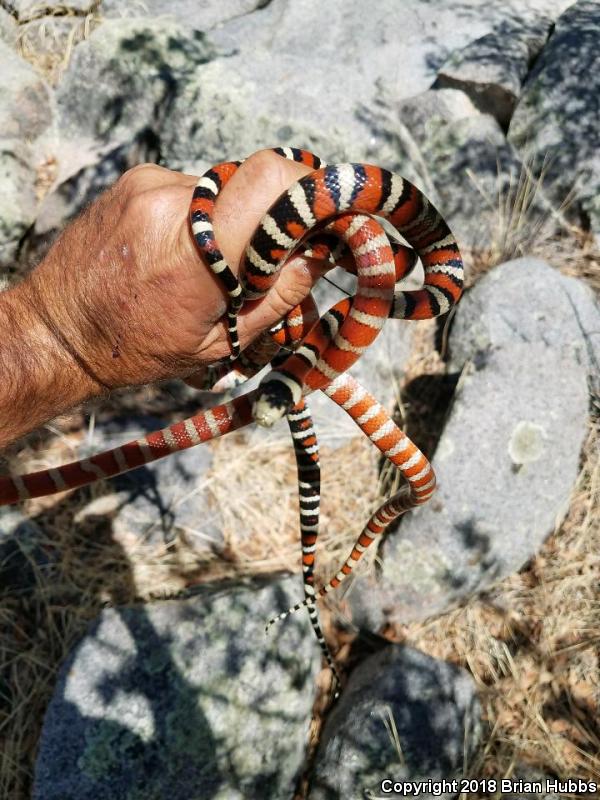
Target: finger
point(295, 281)
point(148, 177)
point(250, 193)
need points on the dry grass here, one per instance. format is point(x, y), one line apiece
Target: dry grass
point(573, 253)
point(49, 33)
point(526, 223)
point(47, 36)
point(261, 530)
point(524, 217)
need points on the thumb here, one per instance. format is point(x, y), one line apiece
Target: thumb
point(296, 279)
point(293, 284)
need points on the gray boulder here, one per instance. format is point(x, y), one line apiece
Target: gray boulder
point(160, 501)
point(524, 342)
point(183, 699)
point(25, 98)
point(223, 113)
point(25, 114)
point(211, 14)
point(556, 124)
point(8, 28)
point(24, 9)
point(565, 315)
point(134, 66)
point(460, 158)
point(136, 69)
point(491, 70)
point(403, 715)
point(17, 198)
point(265, 90)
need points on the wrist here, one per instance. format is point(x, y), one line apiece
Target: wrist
point(42, 379)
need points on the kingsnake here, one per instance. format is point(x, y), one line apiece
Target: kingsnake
point(329, 211)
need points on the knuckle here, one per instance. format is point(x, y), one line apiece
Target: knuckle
point(268, 168)
point(290, 290)
point(136, 177)
point(148, 191)
point(262, 160)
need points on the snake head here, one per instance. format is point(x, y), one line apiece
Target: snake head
point(276, 394)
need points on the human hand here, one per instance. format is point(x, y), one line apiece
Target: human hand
point(125, 289)
point(123, 297)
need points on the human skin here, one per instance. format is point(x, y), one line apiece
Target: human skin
point(123, 297)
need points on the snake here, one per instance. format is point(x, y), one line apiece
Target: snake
point(331, 213)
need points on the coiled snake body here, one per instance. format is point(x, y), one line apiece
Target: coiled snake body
point(329, 212)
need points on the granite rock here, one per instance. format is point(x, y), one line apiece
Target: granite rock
point(136, 68)
point(491, 70)
point(461, 160)
point(433, 707)
point(556, 124)
point(524, 343)
point(17, 199)
point(26, 112)
point(183, 699)
point(211, 14)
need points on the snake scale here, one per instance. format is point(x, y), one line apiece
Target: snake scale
point(330, 213)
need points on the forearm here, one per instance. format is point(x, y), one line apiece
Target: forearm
point(40, 378)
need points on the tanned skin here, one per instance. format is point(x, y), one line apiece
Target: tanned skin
point(123, 298)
